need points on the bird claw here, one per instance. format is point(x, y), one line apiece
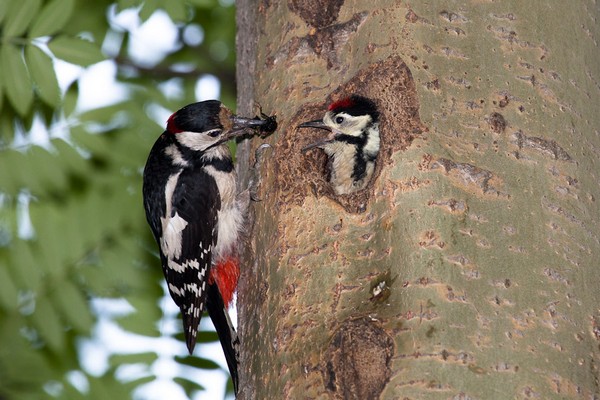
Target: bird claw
point(255, 177)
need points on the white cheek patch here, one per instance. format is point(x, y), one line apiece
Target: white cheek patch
point(352, 125)
point(198, 141)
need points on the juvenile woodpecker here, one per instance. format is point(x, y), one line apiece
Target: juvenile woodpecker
point(196, 216)
point(352, 145)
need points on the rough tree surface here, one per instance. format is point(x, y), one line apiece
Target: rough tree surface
point(480, 227)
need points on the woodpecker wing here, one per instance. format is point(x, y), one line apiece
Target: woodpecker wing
point(155, 180)
point(190, 228)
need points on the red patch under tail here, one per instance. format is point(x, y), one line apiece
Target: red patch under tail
point(225, 274)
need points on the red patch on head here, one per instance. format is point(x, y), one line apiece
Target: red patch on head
point(171, 126)
point(225, 274)
point(344, 103)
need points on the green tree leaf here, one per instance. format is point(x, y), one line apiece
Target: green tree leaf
point(106, 388)
point(8, 291)
point(47, 321)
point(45, 168)
point(18, 359)
point(25, 265)
point(18, 86)
point(72, 162)
point(43, 75)
point(3, 9)
point(74, 306)
point(176, 10)
point(75, 50)
point(19, 16)
point(45, 218)
point(198, 362)
point(70, 99)
point(120, 359)
point(124, 4)
point(148, 9)
point(188, 385)
point(15, 173)
point(1, 94)
point(53, 17)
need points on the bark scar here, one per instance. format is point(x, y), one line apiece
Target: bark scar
point(357, 362)
point(325, 42)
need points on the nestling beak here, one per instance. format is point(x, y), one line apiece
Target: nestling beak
point(319, 124)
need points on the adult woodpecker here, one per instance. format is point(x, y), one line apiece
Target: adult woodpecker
point(352, 145)
point(196, 215)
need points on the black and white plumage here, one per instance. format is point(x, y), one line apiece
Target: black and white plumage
point(196, 216)
point(352, 146)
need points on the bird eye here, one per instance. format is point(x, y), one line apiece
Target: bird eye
point(214, 133)
point(339, 120)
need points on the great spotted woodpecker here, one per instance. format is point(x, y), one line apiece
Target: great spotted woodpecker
point(352, 146)
point(197, 216)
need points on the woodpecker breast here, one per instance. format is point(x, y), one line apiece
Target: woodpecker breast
point(352, 163)
point(230, 217)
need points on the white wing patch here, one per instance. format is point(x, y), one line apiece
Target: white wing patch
point(170, 242)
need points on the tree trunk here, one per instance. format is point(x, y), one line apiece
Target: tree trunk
point(481, 224)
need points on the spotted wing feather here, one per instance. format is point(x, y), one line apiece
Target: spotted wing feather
point(195, 201)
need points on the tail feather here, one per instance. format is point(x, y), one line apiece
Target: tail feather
point(191, 320)
point(227, 334)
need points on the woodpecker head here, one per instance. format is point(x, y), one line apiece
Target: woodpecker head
point(201, 126)
point(352, 143)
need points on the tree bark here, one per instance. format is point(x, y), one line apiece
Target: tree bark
point(480, 226)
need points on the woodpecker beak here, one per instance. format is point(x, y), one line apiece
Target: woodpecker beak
point(319, 124)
